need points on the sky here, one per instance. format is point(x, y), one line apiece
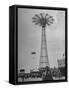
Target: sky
point(29, 38)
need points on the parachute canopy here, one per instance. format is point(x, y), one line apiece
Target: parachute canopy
point(33, 53)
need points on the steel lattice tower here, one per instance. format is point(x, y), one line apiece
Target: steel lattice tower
point(43, 21)
point(44, 53)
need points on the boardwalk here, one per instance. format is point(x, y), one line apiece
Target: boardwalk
point(39, 79)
